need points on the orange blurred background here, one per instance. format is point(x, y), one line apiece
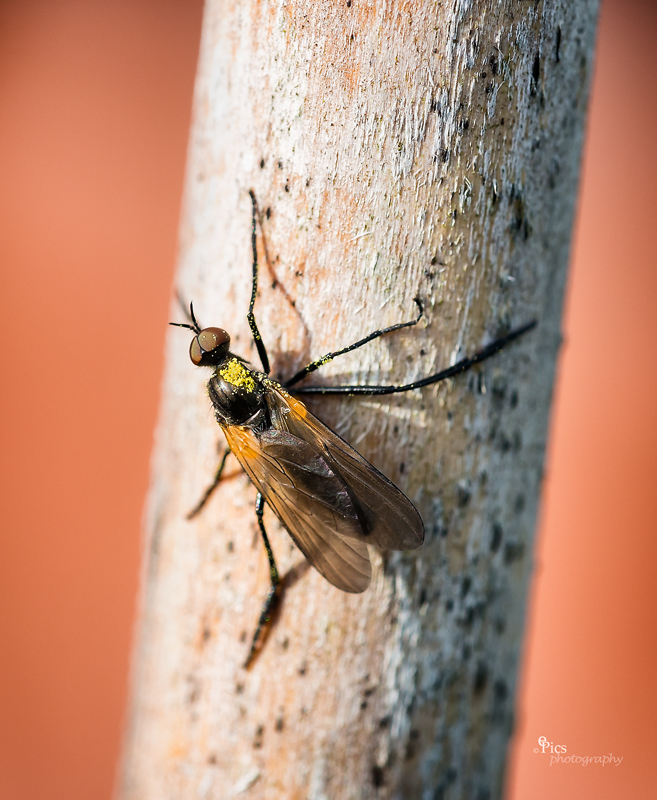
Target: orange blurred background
point(95, 102)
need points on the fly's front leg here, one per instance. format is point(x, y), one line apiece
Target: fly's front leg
point(273, 597)
point(260, 345)
point(208, 492)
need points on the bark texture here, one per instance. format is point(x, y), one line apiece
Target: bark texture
point(399, 149)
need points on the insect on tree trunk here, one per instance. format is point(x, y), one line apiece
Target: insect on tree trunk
point(397, 150)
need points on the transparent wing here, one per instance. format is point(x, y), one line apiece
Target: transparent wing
point(310, 500)
point(388, 518)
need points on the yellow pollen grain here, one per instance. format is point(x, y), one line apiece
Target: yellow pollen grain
point(237, 375)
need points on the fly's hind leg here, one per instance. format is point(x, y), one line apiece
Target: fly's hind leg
point(274, 594)
point(208, 492)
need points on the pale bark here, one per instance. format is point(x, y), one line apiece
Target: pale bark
point(407, 149)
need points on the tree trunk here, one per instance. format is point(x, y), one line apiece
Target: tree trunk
point(397, 150)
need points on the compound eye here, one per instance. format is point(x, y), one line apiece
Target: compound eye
point(208, 346)
point(195, 352)
point(211, 338)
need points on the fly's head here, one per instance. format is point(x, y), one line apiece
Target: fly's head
point(209, 347)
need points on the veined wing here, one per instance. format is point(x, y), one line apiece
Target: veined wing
point(388, 518)
point(310, 500)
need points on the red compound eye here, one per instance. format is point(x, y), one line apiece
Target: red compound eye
point(209, 347)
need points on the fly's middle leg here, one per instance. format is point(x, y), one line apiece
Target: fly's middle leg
point(273, 597)
point(315, 365)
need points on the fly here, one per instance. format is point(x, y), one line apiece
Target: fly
point(331, 501)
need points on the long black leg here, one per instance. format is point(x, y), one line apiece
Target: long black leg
point(273, 595)
point(208, 492)
point(301, 374)
point(460, 366)
point(260, 345)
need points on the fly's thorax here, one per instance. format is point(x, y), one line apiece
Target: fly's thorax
point(236, 392)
